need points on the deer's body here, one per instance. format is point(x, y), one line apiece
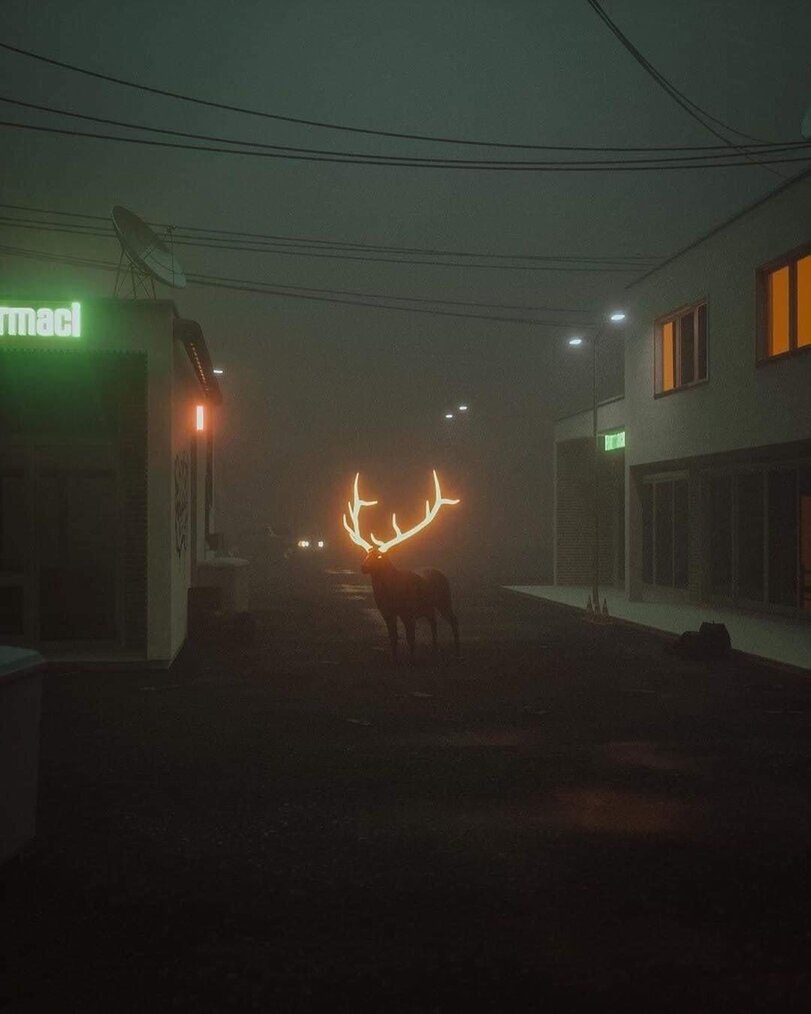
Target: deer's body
point(409, 596)
point(403, 593)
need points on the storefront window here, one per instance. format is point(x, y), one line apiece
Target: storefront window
point(664, 533)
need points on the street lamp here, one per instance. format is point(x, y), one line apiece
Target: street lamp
point(449, 415)
point(615, 317)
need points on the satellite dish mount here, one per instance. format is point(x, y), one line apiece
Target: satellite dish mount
point(144, 258)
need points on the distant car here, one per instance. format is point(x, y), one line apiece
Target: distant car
point(306, 544)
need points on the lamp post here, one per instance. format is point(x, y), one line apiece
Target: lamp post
point(615, 317)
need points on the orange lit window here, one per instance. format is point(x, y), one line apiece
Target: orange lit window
point(200, 418)
point(778, 311)
point(804, 301)
point(667, 356)
point(681, 349)
point(786, 307)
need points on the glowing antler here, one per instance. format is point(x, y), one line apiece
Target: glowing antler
point(430, 514)
point(354, 513)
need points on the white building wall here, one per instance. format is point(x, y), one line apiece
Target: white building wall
point(610, 416)
point(742, 405)
point(185, 396)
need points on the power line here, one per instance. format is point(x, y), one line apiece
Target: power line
point(258, 236)
point(377, 295)
point(286, 292)
point(90, 232)
point(211, 104)
point(596, 166)
point(347, 155)
point(691, 108)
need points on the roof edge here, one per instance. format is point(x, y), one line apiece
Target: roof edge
point(723, 225)
point(191, 334)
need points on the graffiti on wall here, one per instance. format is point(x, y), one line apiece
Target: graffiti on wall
point(182, 494)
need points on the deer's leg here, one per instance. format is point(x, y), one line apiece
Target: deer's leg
point(450, 616)
point(410, 624)
point(391, 623)
point(432, 621)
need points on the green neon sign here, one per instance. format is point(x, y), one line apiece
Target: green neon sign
point(613, 441)
point(41, 321)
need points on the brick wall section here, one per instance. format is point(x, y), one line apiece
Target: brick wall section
point(573, 512)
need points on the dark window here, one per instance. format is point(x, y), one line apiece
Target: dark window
point(750, 536)
point(647, 533)
point(687, 349)
point(783, 537)
point(76, 532)
point(701, 351)
point(805, 538)
point(12, 522)
point(11, 611)
point(665, 533)
point(680, 533)
point(719, 533)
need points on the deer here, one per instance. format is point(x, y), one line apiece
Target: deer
point(403, 594)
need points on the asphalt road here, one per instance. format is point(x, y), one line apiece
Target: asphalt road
point(568, 818)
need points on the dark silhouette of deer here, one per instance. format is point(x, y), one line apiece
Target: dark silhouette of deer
point(404, 593)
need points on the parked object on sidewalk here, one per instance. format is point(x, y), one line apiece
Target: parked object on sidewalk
point(710, 641)
point(403, 593)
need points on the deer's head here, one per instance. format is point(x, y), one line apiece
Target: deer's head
point(376, 549)
point(374, 561)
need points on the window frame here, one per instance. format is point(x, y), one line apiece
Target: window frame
point(658, 357)
point(789, 260)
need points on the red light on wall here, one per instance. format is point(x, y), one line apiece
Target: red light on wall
point(201, 418)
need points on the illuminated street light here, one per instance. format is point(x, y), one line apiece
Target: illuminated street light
point(449, 415)
point(463, 408)
point(218, 370)
point(616, 317)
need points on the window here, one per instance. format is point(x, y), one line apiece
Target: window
point(664, 532)
point(681, 349)
point(785, 306)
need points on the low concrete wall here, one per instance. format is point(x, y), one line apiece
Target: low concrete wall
point(229, 575)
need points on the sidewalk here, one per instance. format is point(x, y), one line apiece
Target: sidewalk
point(770, 637)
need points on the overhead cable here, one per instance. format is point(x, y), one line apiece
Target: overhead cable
point(322, 254)
point(260, 288)
point(239, 143)
point(301, 121)
point(535, 167)
point(641, 259)
point(691, 108)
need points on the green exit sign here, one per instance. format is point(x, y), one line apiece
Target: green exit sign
point(614, 441)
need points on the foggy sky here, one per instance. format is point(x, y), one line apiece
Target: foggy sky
point(314, 391)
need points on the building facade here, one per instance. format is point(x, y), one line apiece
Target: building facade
point(106, 414)
point(717, 418)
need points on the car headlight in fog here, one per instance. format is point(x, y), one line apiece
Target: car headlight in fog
point(321, 543)
point(303, 543)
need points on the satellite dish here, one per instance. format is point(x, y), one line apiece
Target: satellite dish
point(805, 129)
point(149, 258)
